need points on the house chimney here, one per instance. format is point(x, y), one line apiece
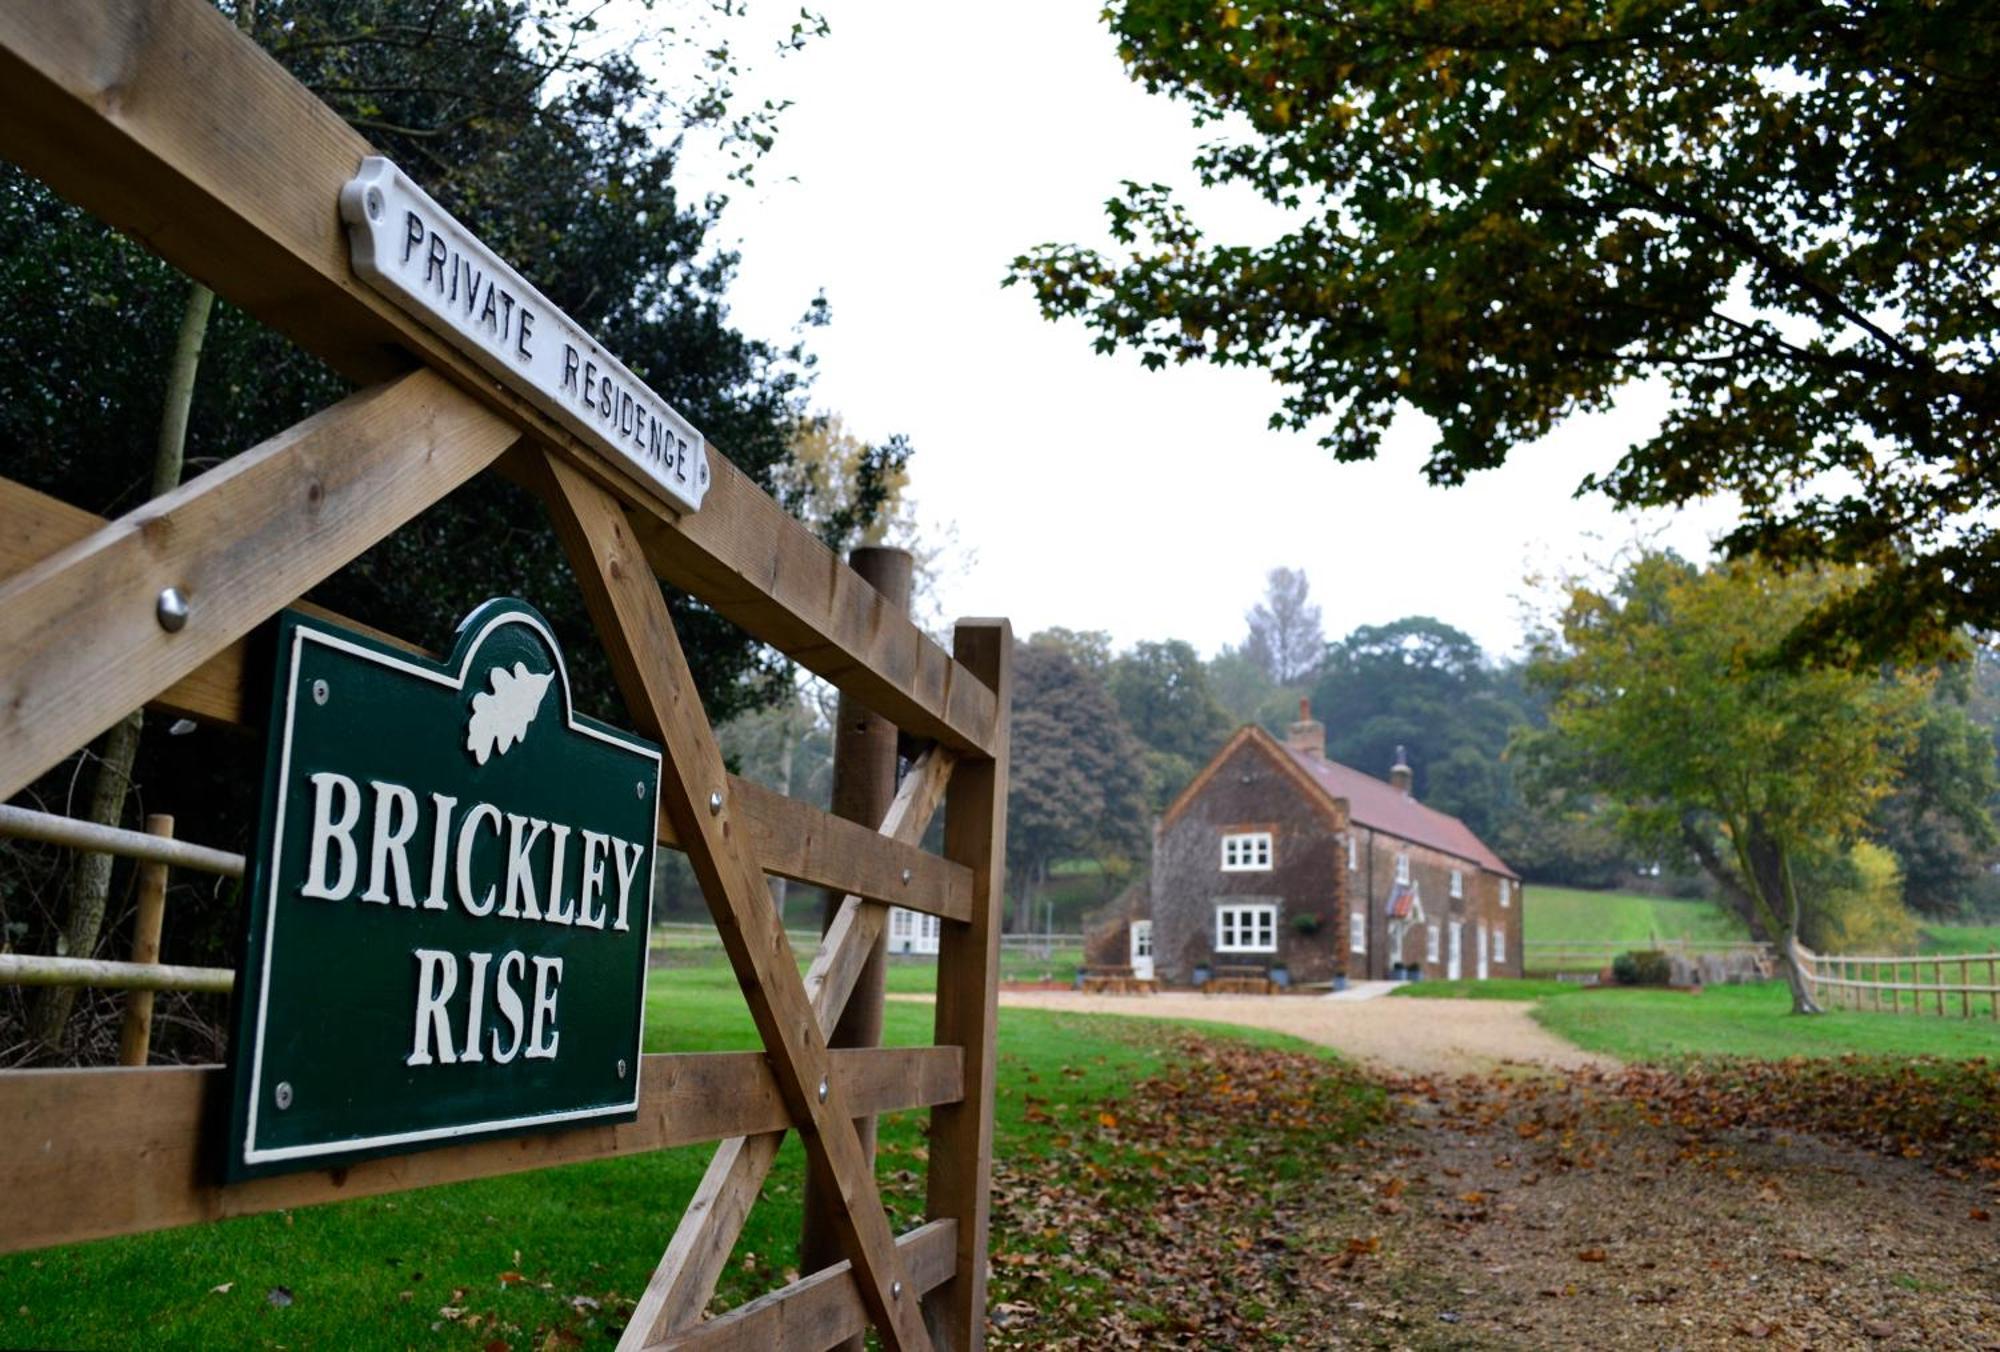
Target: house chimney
point(1308, 735)
point(1399, 774)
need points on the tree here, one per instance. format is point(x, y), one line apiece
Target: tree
point(1671, 698)
point(850, 492)
point(1285, 636)
point(565, 160)
point(1076, 776)
point(1422, 685)
point(1501, 215)
point(1163, 694)
point(1939, 822)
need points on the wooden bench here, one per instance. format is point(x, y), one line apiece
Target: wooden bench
point(1116, 981)
point(1244, 980)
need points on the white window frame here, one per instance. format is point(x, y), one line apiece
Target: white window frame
point(1357, 932)
point(1142, 938)
point(1246, 927)
point(1499, 944)
point(1246, 852)
point(1506, 893)
point(1403, 867)
point(1458, 882)
point(1353, 854)
point(1432, 944)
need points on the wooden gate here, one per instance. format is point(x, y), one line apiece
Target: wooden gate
point(160, 118)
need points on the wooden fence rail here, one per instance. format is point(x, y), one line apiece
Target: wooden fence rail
point(1870, 982)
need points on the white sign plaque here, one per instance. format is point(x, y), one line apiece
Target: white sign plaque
point(410, 249)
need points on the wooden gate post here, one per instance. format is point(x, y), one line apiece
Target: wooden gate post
point(968, 1004)
point(135, 1036)
point(864, 784)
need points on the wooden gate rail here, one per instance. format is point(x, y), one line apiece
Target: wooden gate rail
point(69, 1132)
point(162, 119)
point(684, 1281)
point(118, 105)
point(793, 839)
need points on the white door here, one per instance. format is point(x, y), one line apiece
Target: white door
point(1142, 949)
point(1454, 966)
point(1482, 951)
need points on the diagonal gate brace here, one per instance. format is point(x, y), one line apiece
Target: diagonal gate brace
point(632, 620)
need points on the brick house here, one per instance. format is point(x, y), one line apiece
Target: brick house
point(1276, 856)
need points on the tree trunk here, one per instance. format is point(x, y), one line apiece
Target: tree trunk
point(89, 890)
point(1761, 893)
point(90, 875)
point(1795, 977)
point(1771, 875)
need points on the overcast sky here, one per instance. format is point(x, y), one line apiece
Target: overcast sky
point(932, 142)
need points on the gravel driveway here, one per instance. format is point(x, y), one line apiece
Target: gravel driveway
point(1415, 1036)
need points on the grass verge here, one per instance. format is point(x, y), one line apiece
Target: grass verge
point(554, 1258)
point(1485, 990)
point(1753, 1021)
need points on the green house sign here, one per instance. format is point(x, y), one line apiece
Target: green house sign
point(449, 903)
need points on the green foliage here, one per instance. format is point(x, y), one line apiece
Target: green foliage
point(1163, 693)
point(1077, 778)
point(1502, 215)
point(1672, 699)
point(562, 153)
point(1939, 821)
point(1641, 967)
point(1420, 684)
point(1247, 693)
point(1856, 904)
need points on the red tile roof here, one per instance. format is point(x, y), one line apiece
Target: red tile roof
point(1370, 802)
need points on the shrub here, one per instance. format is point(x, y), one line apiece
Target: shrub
point(1854, 904)
point(1642, 968)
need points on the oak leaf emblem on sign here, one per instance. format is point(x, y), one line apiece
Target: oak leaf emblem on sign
point(500, 717)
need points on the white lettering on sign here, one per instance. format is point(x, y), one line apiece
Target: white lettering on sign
point(334, 867)
point(410, 249)
point(395, 825)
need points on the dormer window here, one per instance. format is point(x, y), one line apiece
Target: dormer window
point(1403, 868)
point(1246, 852)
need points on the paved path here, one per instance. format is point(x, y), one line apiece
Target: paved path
point(1425, 1037)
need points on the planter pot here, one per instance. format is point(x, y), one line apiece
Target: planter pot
point(1340, 983)
point(1281, 977)
point(1201, 975)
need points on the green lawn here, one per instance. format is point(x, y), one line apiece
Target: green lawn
point(1572, 915)
point(506, 1261)
point(1642, 1025)
point(1498, 989)
point(1961, 939)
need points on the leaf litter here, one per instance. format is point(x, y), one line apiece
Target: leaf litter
point(1253, 1197)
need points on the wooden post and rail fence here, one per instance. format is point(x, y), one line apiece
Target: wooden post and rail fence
point(163, 120)
point(1943, 985)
